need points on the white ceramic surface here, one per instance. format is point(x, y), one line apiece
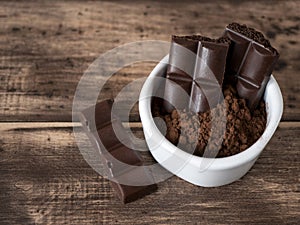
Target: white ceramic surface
point(203, 171)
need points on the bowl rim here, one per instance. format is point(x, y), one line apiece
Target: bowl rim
point(249, 154)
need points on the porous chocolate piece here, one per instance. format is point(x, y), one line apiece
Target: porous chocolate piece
point(120, 161)
point(251, 60)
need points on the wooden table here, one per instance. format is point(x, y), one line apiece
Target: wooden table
point(45, 47)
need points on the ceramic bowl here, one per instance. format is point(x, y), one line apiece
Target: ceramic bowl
point(198, 170)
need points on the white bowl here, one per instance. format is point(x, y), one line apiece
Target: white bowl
point(218, 171)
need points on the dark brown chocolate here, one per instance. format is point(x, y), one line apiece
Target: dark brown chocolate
point(208, 75)
point(131, 193)
point(251, 61)
point(86, 115)
point(203, 60)
point(109, 137)
point(173, 94)
point(182, 55)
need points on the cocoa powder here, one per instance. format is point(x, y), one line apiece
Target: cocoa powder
point(194, 132)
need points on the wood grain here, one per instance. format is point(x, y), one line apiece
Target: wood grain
point(47, 45)
point(45, 180)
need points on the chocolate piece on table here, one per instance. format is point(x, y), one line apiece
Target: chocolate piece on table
point(112, 134)
point(86, 115)
point(203, 60)
point(119, 160)
point(130, 193)
point(251, 60)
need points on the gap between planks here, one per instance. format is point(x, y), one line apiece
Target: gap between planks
point(4, 126)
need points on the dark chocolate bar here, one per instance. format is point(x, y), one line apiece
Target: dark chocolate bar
point(174, 96)
point(99, 121)
point(208, 74)
point(182, 55)
point(109, 137)
point(203, 61)
point(251, 60)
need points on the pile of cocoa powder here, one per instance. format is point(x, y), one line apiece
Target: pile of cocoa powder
point(233, 129)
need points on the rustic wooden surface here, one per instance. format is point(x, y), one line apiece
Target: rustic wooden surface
point(45, 47)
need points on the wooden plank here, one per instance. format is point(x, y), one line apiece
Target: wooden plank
point(46, 46)
point(45, 180)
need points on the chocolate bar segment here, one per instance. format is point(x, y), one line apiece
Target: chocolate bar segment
point(177, 94)
point(112, 135)
point(182, 59)
point(180, 71)
point(199, 97)
point(211, 62)
point(202, 61)
point(99, 120)
point(120, 162)
point(131, 193)
point(251, 60)
point(182, 56)
point(209, 74)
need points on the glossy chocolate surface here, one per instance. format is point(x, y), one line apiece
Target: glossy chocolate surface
point(203, 61)
point(114, 145)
